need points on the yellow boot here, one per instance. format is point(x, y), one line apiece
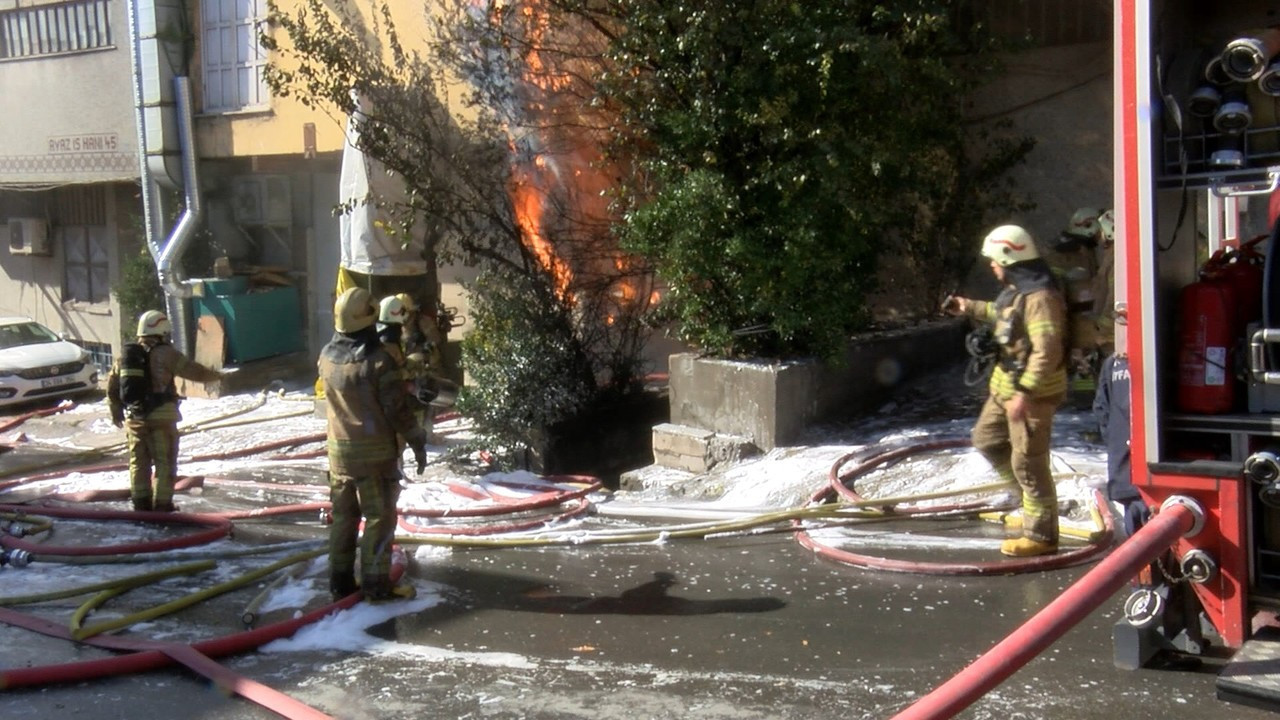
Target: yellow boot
point(1026, 547)
point(402, 591)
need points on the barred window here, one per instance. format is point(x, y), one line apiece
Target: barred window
point(234, 60)
point(55, 29)
point(86, 269)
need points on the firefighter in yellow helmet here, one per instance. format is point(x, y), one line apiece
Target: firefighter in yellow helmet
point(1028, 384)
point(143, 399)
point(367, 407)
point(1075, 263)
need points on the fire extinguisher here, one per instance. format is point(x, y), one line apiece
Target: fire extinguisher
point(1208, 327)
point(1241, 269)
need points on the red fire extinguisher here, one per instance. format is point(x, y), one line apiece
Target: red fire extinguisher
point(1209, 323)
point(1242, 269)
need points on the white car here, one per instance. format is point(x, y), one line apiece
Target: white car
point(35, 363)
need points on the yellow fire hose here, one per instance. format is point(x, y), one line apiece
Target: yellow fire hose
point(79, 633)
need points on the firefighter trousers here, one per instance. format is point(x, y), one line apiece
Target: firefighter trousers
point(372, 497)
point(1019, 451)
point(153, 444)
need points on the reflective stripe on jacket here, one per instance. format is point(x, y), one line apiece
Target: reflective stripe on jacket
point(1031, 333)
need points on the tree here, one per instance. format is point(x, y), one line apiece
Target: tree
point(781, 149)
point(550, 334)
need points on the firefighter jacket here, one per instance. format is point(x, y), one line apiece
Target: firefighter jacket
point(367, 406)
point(1030, 330)
point(164, 363)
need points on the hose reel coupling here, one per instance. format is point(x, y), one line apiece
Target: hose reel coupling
point(15, 557)
point(1263, 469)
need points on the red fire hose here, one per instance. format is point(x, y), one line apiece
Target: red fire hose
point(1045, 627)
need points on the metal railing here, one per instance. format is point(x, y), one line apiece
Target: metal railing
point(55, 29)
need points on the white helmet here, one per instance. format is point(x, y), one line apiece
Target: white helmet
point(1107, 224)
point(393, 310)
point(154, 322)
point(1084, 224)
point(1009, 244)
point(353, 310)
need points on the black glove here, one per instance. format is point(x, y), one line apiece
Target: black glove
point(117, 416)
point(427, 389)
point(420, 456)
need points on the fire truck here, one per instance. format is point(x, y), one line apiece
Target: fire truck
point(1197, 195)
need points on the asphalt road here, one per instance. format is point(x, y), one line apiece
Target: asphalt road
point(731, 627)
point(734, 628)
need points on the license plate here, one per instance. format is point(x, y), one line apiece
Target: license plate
point(55, 381)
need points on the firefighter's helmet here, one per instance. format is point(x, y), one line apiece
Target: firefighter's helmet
point(154, 322)
point(409, 303)
point(1107, 226)
point(1084, 224)
point(354, 311)
point(393, 310)
point(1009, 244)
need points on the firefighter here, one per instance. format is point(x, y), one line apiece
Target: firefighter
point(393, 313)
point(143, 399)
point(1104, 286)
point(1028, 383)
point(421, 343)
point(367, 406)
point(1075, 264)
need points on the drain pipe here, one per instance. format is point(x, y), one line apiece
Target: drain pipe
point(139, 118)
point(148, 50)
point(1178, 517)
point(175, 290)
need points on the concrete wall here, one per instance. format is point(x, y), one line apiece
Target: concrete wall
point(771, 403)
point(1062, 97)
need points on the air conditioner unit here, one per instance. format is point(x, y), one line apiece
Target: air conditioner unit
point(28, 236)
point(262, 200)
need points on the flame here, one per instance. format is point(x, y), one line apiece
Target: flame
point(530, 209)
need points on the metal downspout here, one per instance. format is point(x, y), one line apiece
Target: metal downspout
point(148, 188)
point(175, 290)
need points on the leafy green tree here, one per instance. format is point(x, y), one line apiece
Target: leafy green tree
point(784, 148)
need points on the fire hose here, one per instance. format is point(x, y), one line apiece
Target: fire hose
point(841, 484)
point(1178, 518)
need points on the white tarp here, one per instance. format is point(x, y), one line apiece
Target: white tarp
point(365, 184)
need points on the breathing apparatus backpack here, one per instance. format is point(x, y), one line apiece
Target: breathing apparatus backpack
point(135, 380)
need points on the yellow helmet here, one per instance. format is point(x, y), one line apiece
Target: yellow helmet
point(1009, 244)
point(353, 310)
point(409, 303)
point(393, 310)
point(154, 322)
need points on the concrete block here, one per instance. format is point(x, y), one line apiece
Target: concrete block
point(696, 450)
point(770, 403)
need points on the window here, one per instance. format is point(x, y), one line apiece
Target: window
point(53, 29)
point(234, 61)
point(85, 271)
point(99, 354)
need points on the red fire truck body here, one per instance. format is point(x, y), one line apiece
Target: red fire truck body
point(1197, 164)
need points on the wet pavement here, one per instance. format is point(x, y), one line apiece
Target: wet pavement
point(744, 626)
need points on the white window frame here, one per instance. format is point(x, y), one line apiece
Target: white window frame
point(234, 61)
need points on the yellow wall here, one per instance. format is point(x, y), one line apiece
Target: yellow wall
point(281, 129)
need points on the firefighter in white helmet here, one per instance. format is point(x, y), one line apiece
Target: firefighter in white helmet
point(1028, 384)
point(1104, 285)
point(143, 399)
point(1074, 260)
